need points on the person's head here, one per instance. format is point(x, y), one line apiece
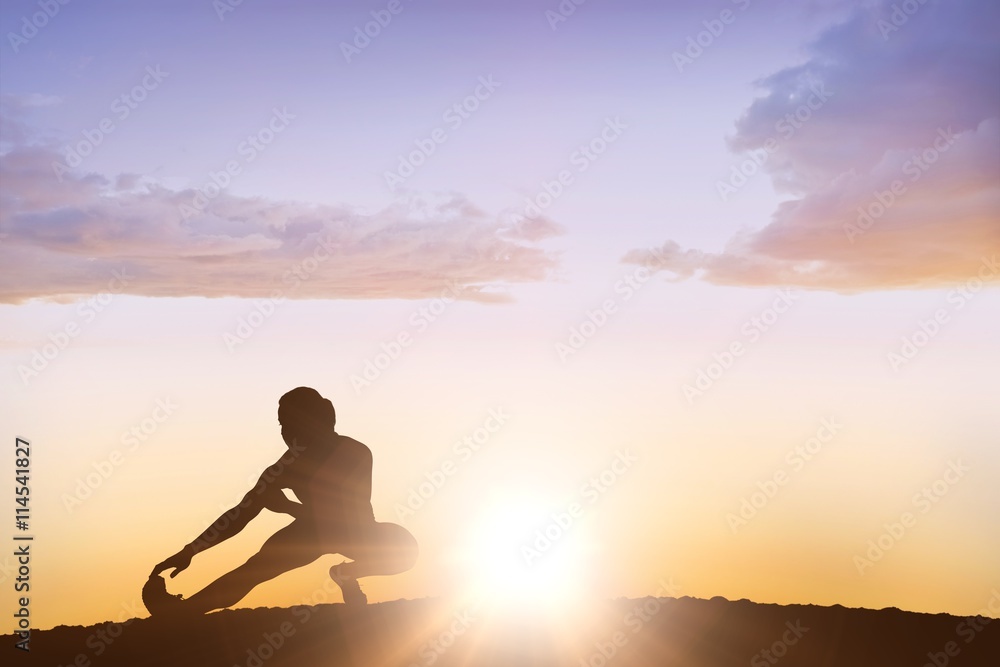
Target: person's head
point(305, 416)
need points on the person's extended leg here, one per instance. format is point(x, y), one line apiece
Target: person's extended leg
point(291, 547)
point(385, 548)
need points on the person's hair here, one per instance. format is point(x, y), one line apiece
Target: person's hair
point(309, 406)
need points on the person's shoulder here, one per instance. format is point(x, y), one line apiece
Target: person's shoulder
point(352, 447)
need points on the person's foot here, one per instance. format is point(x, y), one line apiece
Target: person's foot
point(349, 587)
point(158, 601)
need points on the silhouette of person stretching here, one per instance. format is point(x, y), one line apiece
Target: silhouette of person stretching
point(331, 475)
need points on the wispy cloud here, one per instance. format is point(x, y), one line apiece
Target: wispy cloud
point(64, 238)
point(896, 181)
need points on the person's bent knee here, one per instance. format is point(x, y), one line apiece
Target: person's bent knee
point(399, 546)
point(409, 551)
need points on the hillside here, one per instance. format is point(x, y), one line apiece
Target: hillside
point(624, 633)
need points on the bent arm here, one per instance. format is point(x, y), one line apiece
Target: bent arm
point(280, 503)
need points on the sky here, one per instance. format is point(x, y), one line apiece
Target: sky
point(715, 281)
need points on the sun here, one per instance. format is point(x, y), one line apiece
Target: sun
point(526, 553)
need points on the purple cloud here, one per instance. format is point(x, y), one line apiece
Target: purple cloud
point(64, 239)
point(895, 169)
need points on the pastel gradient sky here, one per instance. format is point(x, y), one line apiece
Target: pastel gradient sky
point(887, 325)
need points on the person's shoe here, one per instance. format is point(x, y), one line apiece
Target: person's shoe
point(349, 587)
point(158, 601)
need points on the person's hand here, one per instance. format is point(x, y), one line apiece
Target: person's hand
point(282, 504)
point(179, 561)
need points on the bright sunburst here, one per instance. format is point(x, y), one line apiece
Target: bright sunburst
point(524, 553)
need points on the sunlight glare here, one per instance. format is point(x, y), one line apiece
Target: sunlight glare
point(521, 554)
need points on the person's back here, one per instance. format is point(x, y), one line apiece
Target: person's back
point(336, 487)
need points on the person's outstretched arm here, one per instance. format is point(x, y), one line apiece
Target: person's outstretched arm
point(265, 493)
